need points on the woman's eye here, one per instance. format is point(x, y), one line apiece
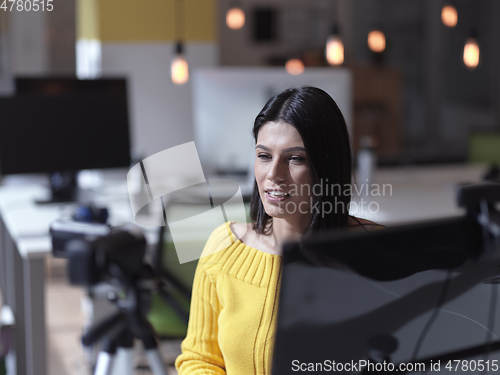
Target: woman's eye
point(297, 159)
point(264, 157)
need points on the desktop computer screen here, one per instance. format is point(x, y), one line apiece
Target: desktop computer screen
point(64, 125)
point(410, 299)
point(226, 101)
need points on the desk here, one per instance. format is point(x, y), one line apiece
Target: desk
point(418, 193)
point(24, 243)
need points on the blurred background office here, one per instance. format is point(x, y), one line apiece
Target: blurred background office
point(418, 81)
point(416, 96)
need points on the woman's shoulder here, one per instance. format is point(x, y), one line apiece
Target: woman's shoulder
point(226, 253)
point(216, 250)
point(240, 230)
point(226, 239)
point(220, 239)
point(249, 237)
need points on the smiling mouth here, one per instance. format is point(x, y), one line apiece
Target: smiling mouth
point(276, 195)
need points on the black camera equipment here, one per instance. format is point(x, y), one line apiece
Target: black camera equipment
point(62, 232)
point(89, 213)
point(115, 256)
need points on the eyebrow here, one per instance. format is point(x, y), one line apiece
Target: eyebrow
point(285, 150)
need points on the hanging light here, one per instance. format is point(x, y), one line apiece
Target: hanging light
point(179, 68)
point(235, 18)
point(334, 47)
point(471, 52)
point(376, 40)
point(294, 67)
point(449, 15)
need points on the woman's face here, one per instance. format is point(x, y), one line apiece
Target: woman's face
point(282, 172)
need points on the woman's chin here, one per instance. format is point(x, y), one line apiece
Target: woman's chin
point(277, 212)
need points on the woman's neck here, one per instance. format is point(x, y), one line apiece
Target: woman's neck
point(284, 230)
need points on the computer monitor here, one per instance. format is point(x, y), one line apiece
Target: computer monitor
point(416, 295)
point(226, 101)
point(63, 125)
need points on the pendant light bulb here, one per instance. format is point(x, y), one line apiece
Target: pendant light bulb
point(376, 41)
point(179, 69)
point(294, 67)
point(471, 53)
point(334, 47)
point(449, 15)
point(235, 18)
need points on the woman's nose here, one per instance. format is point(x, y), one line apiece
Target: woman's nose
point(276, 172)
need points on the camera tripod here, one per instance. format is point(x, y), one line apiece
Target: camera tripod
point(118, 334)
point(119, 329)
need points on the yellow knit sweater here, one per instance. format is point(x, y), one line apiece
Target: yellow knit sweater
point(232, 324)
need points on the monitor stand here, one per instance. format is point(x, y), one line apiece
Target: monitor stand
point(64, 188)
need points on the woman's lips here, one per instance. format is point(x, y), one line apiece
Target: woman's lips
point(276, 198)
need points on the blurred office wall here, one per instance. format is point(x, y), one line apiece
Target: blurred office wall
point(442, 100)
point(137, 41)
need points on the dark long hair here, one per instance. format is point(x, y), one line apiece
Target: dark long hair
point(322, 127)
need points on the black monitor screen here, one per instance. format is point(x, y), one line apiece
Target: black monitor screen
point(64, 124)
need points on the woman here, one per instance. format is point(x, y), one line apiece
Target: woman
point(302, 156)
